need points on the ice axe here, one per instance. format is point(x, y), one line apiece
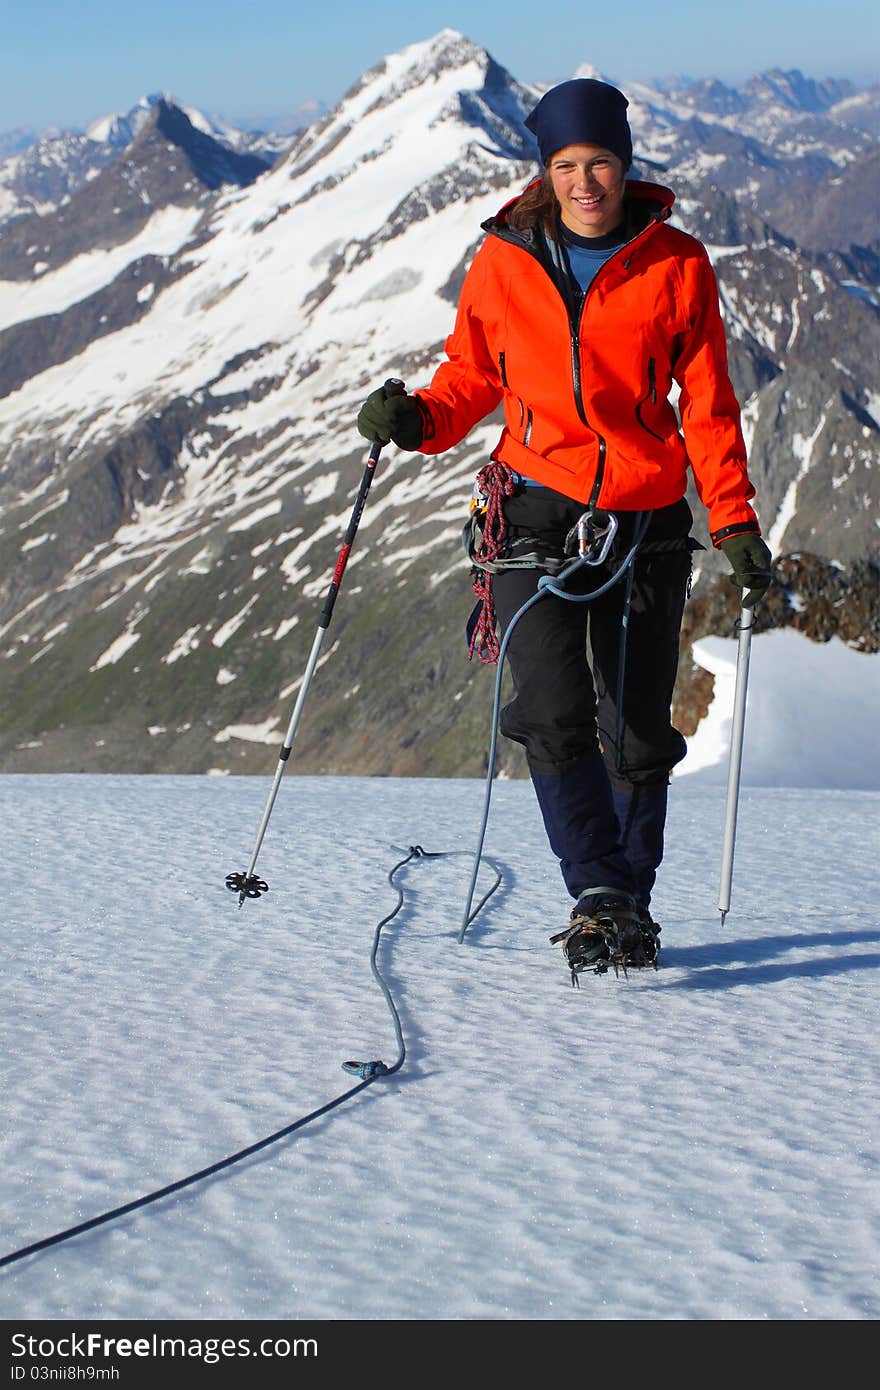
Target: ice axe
point(248, 885)
point(735, 764)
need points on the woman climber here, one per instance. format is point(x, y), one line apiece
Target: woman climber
point(580, 310)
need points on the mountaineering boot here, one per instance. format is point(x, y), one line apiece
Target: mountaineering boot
point(606, 929)
point(650, 948)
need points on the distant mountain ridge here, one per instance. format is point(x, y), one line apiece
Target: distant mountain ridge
point(39, 175)
point(183, 347)
point(167, 161)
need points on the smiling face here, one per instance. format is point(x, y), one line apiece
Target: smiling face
point(589, 184)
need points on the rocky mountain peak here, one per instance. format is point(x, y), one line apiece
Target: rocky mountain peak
point(119, 129)
point(212, 162)
point(795, 91)
point(424, 64)
point(446, 51)
point(118, 201)
point(447, 83)
point(709, 94)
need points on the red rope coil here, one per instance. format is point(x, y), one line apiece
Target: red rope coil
point(494, 482)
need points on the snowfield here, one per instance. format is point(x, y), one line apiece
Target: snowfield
point(811, 706)
point(699, 1142)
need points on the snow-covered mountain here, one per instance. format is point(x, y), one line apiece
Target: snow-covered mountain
point(40, 175)
point(182, 364)
point(119, 129)
point(13, 141)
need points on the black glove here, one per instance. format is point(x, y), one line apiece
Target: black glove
point(390, 413)
point(750, 561)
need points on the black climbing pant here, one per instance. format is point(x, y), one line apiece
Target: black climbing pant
point(565, 659)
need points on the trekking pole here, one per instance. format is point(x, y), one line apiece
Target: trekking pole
point(247, 885)
point(735, 765)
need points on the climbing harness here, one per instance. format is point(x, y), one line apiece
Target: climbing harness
point(490, 551)
point(367, 1072)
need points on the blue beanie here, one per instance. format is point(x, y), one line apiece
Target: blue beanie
point(582, 112)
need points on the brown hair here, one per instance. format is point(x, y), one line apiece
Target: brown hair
point(536, 206)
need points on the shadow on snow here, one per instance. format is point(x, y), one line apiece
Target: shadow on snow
point(750, 960)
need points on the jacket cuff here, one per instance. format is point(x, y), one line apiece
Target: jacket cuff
point(739, 528)
point(429, 429)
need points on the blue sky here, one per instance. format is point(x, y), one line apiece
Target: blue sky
point(64, 64)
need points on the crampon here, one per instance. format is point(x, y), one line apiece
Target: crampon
point(622, 939)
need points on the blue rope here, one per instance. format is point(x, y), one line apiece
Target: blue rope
point(370, 1070)
point(182, 1183)
point(367, 1072)
point(547, 584)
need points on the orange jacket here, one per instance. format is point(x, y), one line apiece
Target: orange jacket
point(585, 400)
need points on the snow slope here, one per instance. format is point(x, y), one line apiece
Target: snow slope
point(696, 1143)
point(57, 290)
point(810, 719)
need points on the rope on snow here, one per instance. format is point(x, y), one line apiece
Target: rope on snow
point(368, 1072)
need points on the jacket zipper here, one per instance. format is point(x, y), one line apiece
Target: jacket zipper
point(528, 434)
point(502, 363)
point(575, 327)
point(652, 397)
point(574, 322)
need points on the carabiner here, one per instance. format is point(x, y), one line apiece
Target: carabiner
point(592, 533)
